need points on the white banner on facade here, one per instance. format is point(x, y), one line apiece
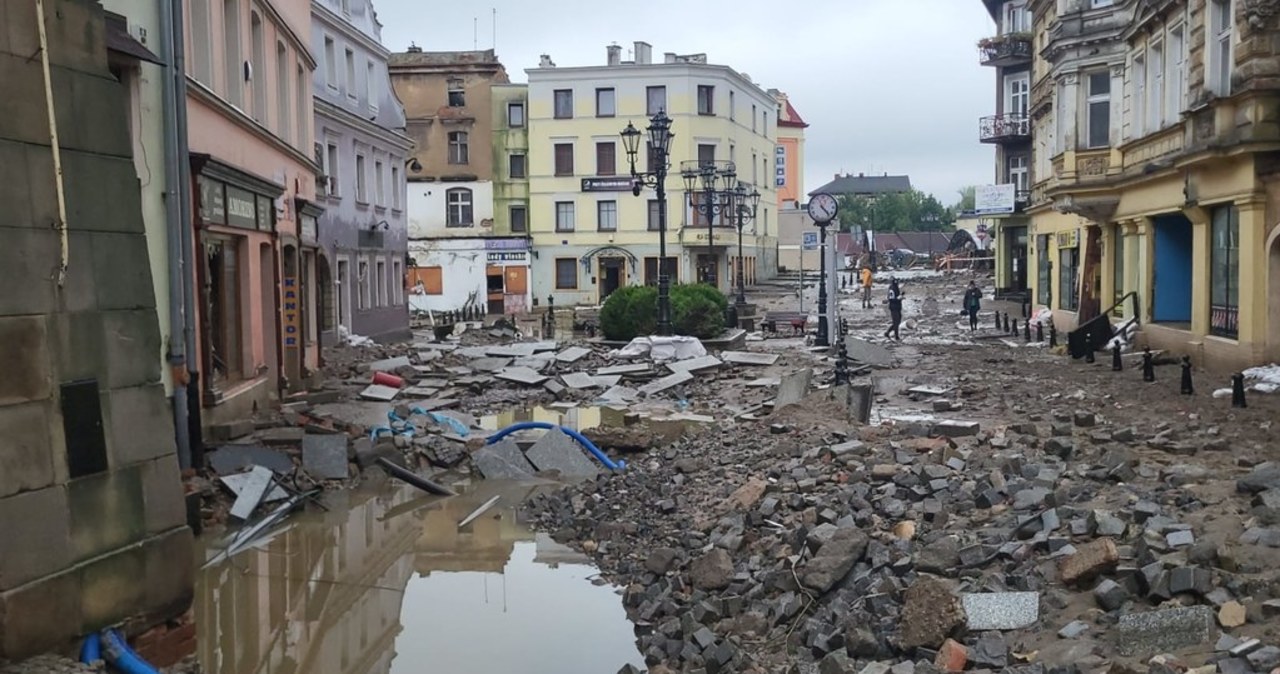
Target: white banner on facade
point(994, 199)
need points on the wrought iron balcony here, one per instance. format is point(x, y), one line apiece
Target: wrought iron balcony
point(1004, 128)
point(1021, 199)
point(1010, 49)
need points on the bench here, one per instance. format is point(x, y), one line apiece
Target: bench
point(775, 321)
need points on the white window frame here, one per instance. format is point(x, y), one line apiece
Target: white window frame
point(606, 215)
point(1138, 101)
point(350, 58)
point(381, 266)
point(1019, 173)
point(459, 148)
point(1155, 85)
point(370, 84)
point(379, 184)
point(363, 280)
point(1176, 83)
point(332, 160)
point(397, 283)
point(362, 180)
point(330, 63)
point(1090, 100)
point(1023, 93)
point(1220, 47)
point(457, 210)
point(1016, 18)
point(567, 223)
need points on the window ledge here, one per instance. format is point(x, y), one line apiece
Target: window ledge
point(363, 204)
point(380, 209)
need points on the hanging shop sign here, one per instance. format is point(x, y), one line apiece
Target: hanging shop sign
point(291, 308)
point(1069, 239)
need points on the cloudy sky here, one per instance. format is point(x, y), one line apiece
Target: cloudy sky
point(887, 86)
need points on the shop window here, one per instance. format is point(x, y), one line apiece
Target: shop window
point(1068, 275)
point(1224, 283)
point(226, 348)
point(1044, 272)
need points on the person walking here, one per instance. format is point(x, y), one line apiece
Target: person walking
point(866, 286)
point(895, 310)
point(972, 303)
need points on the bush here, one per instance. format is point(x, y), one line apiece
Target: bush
point(630, 312)
point(698, 310)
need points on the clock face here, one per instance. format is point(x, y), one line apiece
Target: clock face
point(822, 208)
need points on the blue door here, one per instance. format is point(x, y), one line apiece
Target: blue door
point(1172, 301)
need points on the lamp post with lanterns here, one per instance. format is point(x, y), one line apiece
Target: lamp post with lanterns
point(744, 210)
point(713, 181)
point(659, 155)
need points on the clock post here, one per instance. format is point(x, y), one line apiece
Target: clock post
point(823, 208)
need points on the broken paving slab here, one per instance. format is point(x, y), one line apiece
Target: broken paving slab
point(665, 383)
point(236, 483)
point(572, 354)
point(1164, 631)
point(605, 381)
point(325, 456)
point(229, 459)
point(536, 363)
point(763, 382)
point(623, 370)
point(868, 353)
point(695, 364)
point(620, 394)
point(252, 491)
point(502, 460)
point(579, 380)
point(522, 375)
point(281, 435)
point(380, 393)
point(749, 358)
point(435, 346)
point(390, 364)
point(555, 450)
point(793, 387)
point(956, 429)
point(489, 364)
point(931, 390)
point(1001, 610)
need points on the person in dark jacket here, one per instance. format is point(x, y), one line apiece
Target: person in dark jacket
point(895, 310)
point(972, 303)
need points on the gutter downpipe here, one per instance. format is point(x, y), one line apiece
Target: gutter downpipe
point(186, 207)
point(176, 146)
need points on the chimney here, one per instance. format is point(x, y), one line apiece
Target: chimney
point(546, 62)
point(644, 53)
point(615, 54)
point(414, 48)
point(669, 57)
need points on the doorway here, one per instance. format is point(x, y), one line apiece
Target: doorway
point(270, 337)
point(613, 275)
point(708, 268)
point(344, 295)
point(1016, 243)
point(1171, 290)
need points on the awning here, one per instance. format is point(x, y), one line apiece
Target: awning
point(121, 42)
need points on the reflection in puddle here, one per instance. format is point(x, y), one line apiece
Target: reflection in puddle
point(577, 418)
point(388, 584)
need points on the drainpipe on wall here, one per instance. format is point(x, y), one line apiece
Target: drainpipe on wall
point(55, 146)
point(178, 268)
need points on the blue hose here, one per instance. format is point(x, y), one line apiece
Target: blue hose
point(582, 440)
point(120, 656)
point(91, 650)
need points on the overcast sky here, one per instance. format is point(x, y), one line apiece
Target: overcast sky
point(887, 86)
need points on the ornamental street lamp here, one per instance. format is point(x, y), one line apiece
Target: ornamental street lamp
point(716, 181)
point(744, 209)
point(823, 209)
point(655, 176)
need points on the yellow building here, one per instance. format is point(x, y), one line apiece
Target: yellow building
point(1155, 188)
point(788, 165)
point(590, 234)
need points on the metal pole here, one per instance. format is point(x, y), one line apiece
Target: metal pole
point(802, 273)
point(664, 280)
point(823, 336)
point(742, 284)
point(709, 191)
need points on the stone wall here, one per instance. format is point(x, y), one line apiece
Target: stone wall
point(92, 516)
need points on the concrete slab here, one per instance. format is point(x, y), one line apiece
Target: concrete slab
point(536, 363)
point(557, 451)
point(252, 492)
point(605, 381)
point(420, 391)
point(868, 353)
point(793, 387)
point(432, 404)
point(474, 352)
point(325, 456)
point(956, 429)
point(229, 459)
point(669, 381)
point(749, 358)
point(281, 435)
point(548, 345)
point(390, 364)
point(695, 364)
point(763, 382)
point(572, 354)
point(579, 380)
point(489, 364)
point(624, 370)
point(428, 356)
point(445, 347)
point(522, 375)
point(364, 414)
point(620, 394)
point(236, 484)
point(931, 390)
point(379, 393)
point(1001, 610)
point(502, 460)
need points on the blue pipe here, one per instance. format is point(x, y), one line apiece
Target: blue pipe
point(91, 650)
point(582, 440)
point(120, 656)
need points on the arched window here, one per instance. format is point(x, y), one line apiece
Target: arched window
point(283, 119)
point(459, 152)
point(458, 207)
point(234, 75)
point(259, 68)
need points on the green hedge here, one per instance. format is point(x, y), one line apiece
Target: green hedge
point(697, 310)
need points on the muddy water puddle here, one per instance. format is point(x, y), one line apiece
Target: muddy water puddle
point(387, 582)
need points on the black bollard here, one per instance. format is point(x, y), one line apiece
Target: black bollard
point(1188, 389)
point(1039, 332)
point(997, 314)
point(1237, 390)
point(1148, 365)
point(1026, 331)
point(1053, 337)
point(1014, 330)
point(1088, 355)
point(1006, 322)
point(1116, 364)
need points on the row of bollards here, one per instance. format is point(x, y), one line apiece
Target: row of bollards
point(1187, 385)
point(842, 352)
point(467, 313)
point(1010, 326)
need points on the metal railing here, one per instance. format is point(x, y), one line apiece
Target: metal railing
point(1005, 49)
point(997, 128)
point(1090, 335)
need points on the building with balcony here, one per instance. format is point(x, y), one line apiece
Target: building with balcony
point(1009, 130)
point(459, 259)
point(1155, 172)
point(590, 234)
point(364, 155)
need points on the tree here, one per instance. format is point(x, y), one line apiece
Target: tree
point(968, 199)
point(912, 211)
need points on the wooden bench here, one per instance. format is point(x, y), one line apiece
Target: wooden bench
point(776, 321)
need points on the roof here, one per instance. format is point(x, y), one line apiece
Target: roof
point(791, 118)
point(417, 57)
point(120, 41)
point(861, 185)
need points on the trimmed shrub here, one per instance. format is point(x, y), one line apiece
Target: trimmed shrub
point(630, 312)
point(698, 310)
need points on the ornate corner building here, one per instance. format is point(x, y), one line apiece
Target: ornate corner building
point(1155, 184)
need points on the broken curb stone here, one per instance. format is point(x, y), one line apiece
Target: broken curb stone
point(1152, 632)
point(1000, 610)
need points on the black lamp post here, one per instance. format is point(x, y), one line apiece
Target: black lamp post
point(824, 338)
point(656, 176)
point(716, 181)
point(744, 208)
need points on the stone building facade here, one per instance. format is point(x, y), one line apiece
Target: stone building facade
point(92, 514)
